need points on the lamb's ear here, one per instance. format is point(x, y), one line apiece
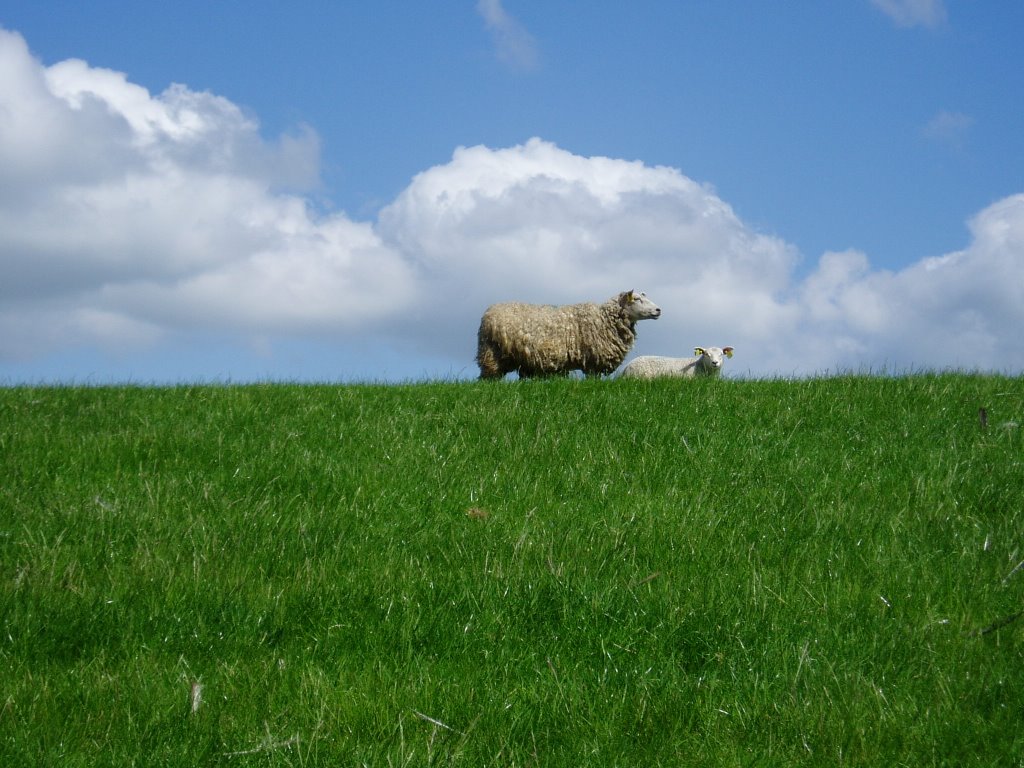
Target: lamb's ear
point(728, 351)
point(698, 351)
point(627, 297)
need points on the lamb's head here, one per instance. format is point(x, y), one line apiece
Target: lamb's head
point(711, 358)
point(636, 306)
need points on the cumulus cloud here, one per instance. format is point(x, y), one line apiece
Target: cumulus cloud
point(514, 45)
point(913, 13)
point(959, 310)
point(124, 214)
point(127, 218)
point(538, 221)
point(949, 128)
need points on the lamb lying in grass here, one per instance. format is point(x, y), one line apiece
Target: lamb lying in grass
point(707, 363)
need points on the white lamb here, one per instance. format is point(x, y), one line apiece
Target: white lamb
point(707, 363)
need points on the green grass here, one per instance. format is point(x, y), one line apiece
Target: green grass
point(706, 573)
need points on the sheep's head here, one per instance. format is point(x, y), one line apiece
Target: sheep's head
point(636, 306)
point(711, 358)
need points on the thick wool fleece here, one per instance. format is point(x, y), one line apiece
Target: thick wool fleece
point(539, 340)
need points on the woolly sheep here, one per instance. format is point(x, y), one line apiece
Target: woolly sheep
point(544, 340)
point(707, 363)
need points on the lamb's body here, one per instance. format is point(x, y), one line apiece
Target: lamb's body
point(544, 340)
point(707, 363)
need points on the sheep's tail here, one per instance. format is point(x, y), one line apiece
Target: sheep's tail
point(488, 362)
point(487, 355)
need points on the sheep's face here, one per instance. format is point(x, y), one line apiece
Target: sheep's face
point(638, 307)
point(713, 357)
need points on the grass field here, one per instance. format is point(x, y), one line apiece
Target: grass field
point(550, 573)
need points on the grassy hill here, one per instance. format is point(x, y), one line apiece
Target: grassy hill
point(605, 573)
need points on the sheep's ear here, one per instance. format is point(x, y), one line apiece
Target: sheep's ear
point(728, 351)
point(698, 350)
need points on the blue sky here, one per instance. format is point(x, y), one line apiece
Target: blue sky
point(335, 191)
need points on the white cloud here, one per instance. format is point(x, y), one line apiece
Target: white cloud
point(913, 13)
point(949, 128)
point(122, 211)
point(537, 221)
point(514, 45)
point(959, 310)
point(128, 218)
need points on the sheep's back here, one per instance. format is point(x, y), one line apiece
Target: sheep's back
point(652, 366)
point(513, 323)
